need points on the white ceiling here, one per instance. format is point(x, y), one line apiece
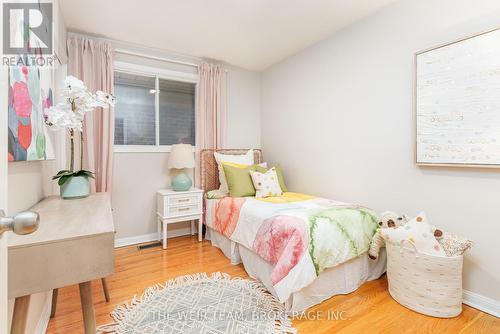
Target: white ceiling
point(253, 34)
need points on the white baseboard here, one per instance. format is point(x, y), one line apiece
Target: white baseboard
point(179, 232)
point(139, 239)
point(482, 303)
point(43, 322)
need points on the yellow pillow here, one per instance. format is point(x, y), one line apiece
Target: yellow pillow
point(234, 164)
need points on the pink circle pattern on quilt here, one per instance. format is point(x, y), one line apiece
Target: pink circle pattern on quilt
point(282, 241)
point(227, 213)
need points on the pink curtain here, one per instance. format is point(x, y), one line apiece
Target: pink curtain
point(92, 62)
point(211, 110)
point(211, 120)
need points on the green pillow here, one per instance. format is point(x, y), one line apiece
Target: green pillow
point(281, 180)
point(239, 181)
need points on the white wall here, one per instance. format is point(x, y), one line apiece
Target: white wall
point(338, 117)
point(25, 185)
point(137, 176)
point(243, 130)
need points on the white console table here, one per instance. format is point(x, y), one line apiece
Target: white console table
point(74, 244)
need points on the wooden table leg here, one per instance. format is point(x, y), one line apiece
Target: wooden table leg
point(87, 307)
point(55, 293)
point(20, 315)
point(105, 288)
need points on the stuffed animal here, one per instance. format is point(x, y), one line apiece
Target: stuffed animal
point(388, 219)
point(418, 232)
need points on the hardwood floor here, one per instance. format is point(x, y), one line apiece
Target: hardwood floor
point(370, 309)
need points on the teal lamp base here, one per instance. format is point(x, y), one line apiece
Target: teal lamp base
point(181, 182)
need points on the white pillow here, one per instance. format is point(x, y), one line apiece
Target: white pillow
point(266, 184)
point(242, 159)
point(418, 232)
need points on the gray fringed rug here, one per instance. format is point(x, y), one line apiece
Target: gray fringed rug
point(202, 304)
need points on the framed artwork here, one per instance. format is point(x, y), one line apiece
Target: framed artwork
point(30, 94)
point(457, 103)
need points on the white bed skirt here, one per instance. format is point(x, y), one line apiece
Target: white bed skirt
point(228, 247)
point(342, 279)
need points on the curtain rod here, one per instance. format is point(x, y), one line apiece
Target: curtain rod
point(156, 58)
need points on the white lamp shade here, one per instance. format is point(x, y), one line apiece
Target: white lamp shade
point(181, 156)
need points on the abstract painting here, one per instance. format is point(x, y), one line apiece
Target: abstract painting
point(30, 95)
point(458, 103)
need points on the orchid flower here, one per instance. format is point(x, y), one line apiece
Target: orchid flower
point(77, 101)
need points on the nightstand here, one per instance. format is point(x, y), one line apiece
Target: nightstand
point(179, 206)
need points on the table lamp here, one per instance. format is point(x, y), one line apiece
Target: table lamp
point(181, 157)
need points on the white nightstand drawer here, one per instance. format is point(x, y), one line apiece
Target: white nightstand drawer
point(174, 211)
point(183, 199)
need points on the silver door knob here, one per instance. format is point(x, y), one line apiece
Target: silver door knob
point(25, 222)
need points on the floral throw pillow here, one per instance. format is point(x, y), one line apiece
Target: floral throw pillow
point(266, 184)
point(454, 245)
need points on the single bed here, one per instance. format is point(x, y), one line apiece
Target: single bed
point(301, 263)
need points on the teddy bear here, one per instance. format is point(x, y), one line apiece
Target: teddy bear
point(388, 219)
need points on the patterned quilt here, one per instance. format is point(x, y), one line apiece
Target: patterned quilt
point(300, 235)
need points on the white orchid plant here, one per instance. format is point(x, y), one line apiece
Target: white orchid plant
point(69, 114)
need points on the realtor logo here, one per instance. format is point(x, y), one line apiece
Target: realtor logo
point(27, 28)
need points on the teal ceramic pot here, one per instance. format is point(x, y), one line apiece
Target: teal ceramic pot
point(75, 187)
point(181, 182)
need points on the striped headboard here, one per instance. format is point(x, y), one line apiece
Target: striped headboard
point(209, 175)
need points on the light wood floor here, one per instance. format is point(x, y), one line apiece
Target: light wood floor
point(370, 309)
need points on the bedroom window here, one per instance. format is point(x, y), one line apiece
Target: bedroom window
point(176, 112)
point(155, 109)
point(135, 109)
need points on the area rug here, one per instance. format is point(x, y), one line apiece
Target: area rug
point(202, 304)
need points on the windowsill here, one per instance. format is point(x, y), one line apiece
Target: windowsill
point(143, 149)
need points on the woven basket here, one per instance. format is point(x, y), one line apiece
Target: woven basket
point(424, 283)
